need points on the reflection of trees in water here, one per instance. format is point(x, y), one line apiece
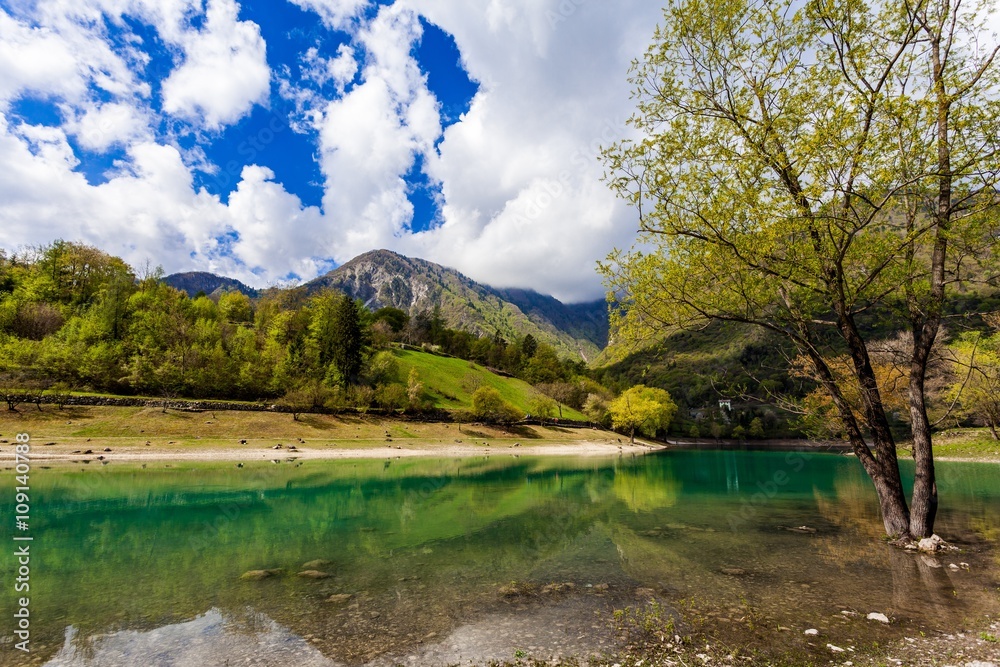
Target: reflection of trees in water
point(920, 585)
point(647, 489)
point(423, 546)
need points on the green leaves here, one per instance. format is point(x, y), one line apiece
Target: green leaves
point(643, 409)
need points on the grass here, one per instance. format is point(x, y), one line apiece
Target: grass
point(451, 382)
point(966, 443)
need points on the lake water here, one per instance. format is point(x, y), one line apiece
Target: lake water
point(446, 561)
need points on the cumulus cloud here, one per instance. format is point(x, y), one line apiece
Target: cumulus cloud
point(340, 70)
point(102, 126)
point(525, 203)
point(225, 70)
point(517, 176)
point(370, 137)
point(336, 14)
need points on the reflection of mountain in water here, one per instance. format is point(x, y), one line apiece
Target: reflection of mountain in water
point(424, 547)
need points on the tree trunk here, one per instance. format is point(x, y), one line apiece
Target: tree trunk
point(993, 429)
point(888, 486)
point(884, 468)
point(926, 317)
point(923, 507)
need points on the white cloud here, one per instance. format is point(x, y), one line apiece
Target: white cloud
point(224, 73)
point(369, 139)
point(36, 60)
point(340, 69)
point(105, 125)
point(336, 14)
point(525, 203)
point(522, 201)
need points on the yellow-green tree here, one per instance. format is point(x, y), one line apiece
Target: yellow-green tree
point(643, 409)
point(796, 164)
point(977, 386)
point(488, 405)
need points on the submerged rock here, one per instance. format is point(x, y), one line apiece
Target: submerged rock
point(315, 564)
point(339, 598)
point(876, 616)
point(313, 574)
point(257, 575)
point(557, 588)
point(733, 571)
point(804, 530)
point(811, 632)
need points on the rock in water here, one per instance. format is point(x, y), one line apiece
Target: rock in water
point(257, 575)
point(811, 632)
point(931, 544)
point(313, 574)
point(315, 564)
point(338, 598)
point(876, 616)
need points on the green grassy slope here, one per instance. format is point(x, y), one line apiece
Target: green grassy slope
point(450, 382)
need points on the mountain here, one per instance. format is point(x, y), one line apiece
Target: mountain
point(384, 278)
point(209, 283)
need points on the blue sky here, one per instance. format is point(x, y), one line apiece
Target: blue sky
point(272, 140)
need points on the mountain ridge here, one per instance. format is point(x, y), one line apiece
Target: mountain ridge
point(384, 278)
point(381, 278)
point(211, 284)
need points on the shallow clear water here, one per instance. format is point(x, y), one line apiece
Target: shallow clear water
point(136, 565)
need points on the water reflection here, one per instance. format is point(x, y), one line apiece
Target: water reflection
point(143, 565)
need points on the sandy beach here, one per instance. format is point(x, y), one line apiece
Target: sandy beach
point(145, 434)
point(330, 451)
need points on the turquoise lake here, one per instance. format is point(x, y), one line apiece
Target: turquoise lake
point(451, 560)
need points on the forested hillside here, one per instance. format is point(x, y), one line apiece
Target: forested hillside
point(75, 318)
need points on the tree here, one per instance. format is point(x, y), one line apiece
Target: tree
point(596, 408)
point(756, 429)
point(543, 407)
point(308, 396)
point(391, 396)
point(978, 386)
point(528, 346)
point(395, 318)
point(339, 336)
point(415, 390)
point(236, 307)
point(799, 167)
point(489, 406)
point(643, 409)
